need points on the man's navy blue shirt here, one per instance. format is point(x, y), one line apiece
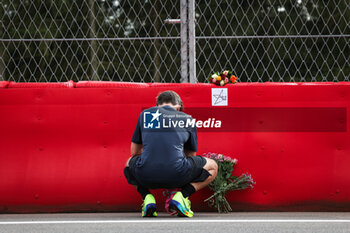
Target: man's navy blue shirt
point(164, 134)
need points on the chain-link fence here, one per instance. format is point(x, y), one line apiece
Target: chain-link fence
point(132, 40)
point(290, 40)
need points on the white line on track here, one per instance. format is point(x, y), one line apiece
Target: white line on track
point(181, 221)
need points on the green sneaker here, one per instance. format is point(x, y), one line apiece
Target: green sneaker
point(181, 205)
point(149, 206)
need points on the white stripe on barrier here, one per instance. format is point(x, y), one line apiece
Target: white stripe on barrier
point(182, 221)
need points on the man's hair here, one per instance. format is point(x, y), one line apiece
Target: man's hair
point(169, 97)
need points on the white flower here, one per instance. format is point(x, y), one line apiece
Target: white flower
point(225, 72)
point(214, 76)
point(222, 82)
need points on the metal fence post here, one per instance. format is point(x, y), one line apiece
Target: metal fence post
point(93, 49)
point(183, 32)
point(2, 51)
point(192, 41)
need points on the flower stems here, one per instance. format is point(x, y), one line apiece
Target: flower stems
point(225, 182)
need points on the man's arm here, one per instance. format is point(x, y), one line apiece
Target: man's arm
point(190, 146)
point(135, 149)
point(189, 153)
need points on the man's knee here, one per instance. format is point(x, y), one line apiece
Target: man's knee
point(211, 165)
point(127, 162)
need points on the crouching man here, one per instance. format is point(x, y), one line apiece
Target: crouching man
point(163, 155)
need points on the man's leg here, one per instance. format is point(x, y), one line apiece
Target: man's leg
point(143, 191)
point(149, 203)
point(180, 201)
point(212, 167)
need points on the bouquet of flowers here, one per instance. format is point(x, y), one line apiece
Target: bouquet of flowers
point(223, 78)
point(225, 182)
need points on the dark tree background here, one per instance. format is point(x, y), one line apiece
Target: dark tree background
point(255, 54)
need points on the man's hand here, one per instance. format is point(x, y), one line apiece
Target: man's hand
point(135, 149)
point(189, 153)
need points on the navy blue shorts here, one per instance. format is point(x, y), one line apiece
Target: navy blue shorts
point(198, 174)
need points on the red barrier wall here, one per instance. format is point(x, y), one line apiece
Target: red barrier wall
point(63, 146)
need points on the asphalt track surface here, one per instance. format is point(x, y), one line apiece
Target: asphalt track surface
point(202, 222)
